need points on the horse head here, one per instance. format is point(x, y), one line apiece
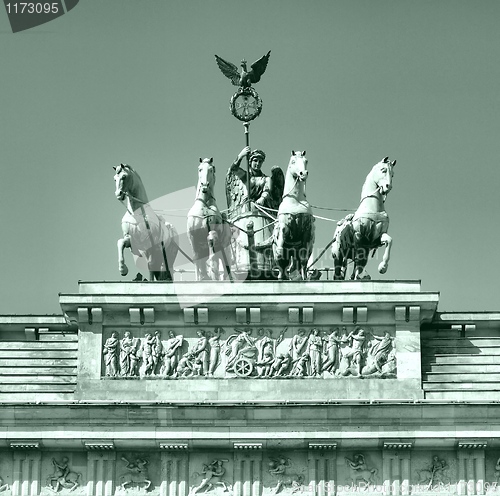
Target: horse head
point(206, 176)
point(381, 175)
point(298, 165)
point(124, 181)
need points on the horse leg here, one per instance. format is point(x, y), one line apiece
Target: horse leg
point(122, 244)
point(386, 240)
point(361, 259)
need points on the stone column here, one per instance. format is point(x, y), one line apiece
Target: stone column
point(174, 473)
point(396, 468)
point(90, 343)
point(407, 343)
point(322, 463)
point(471, 468)
point(27, 473)
point(101, 470)
point(247, 469)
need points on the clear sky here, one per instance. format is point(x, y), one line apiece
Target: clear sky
point(350, 81)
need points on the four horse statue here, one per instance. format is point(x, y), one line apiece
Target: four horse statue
point(366, 229)
point(144, 232)
point(208, 231)
point(293, 236)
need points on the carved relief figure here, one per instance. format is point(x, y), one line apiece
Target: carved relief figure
point(378, 354)
point(171, 353)
point(63, 477)
point(110, 352)
point(357, 339)
point(238, 344)
point(200, 352)
point(315, 352)
point(301, 366)
point(281, 365)
point(360, 471)
point(215, 345)
point(128, 355)
point(278, 468)
point(136, 474)
point(148, 344)
point(157, 351)
point(435, 474)
point(332, 351)
point(3, 487)
point(298, 344)
point(213, 475)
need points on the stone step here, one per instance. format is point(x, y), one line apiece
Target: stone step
point(37, 379)
point(71, 370)
point(38, 345)
point(470, 377)
point(454, 396)
point(461, 350)
point(459, 386)
point(40, 362)
point(57, 337)
point(37, 354)
point(476, 341)
point(467, 368)
point(7, 389)
point(459, 359)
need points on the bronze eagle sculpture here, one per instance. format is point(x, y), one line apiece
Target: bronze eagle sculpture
point(244, 78)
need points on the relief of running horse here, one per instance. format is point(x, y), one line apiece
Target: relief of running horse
point(208, 231)
point(144, 232)
point(293, 235)
point(365, 230)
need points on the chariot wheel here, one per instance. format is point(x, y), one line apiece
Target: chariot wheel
point(243, 367)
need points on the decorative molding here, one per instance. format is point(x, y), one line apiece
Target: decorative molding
point(189, 315)
point(400, 314)
point(174, 446)
point(99, 445)
point(30, 333)
point(323, 446)
point(362, 314)
point(398, 445)
point(414, 314)
point(308, 315)
point(348, 314)
point(255, 315)
point(293, 315)
point(135, 315)
point(149, 315)
point(96, 314)
point(251, 446)
point(472, 444)
point(25, 445)
point(202, 315)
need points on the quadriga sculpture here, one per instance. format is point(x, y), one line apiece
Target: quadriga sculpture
point(293, 236)
point(207, 230)
point(366, 229)
point(144, 232)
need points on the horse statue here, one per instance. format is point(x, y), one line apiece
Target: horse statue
point(365, 230)
point(207, 229)
point(293, 235)
point(144, 232)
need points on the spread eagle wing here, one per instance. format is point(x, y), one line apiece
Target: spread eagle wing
point(229, 70)
point(236, 192)
point(258, 68)
point(277, 186)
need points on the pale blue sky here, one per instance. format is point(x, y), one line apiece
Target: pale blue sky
point(350, 81)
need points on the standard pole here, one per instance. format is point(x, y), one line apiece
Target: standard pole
point(246, 125)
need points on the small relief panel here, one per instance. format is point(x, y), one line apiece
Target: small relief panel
point(6, 470)
point(64, 473)
point(211, 473)
point(359, 471)
point(137, 473)
point(285, 474)
point(248, 352)
point(492, 479)
point(434, 472)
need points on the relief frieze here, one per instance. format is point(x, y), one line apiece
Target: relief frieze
point(246, 352)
